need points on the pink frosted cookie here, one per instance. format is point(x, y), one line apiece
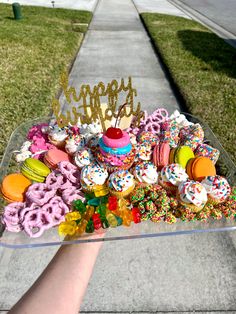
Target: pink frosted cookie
point(40, 193)
point(112, 159)
point(71, 195)
point(117, 143)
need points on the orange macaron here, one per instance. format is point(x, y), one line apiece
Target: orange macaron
point(14, 186)
point(200, 167)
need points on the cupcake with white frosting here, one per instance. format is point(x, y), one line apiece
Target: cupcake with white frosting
point(146, 172)
point(83, 157)
point(74, 143)
point(192, 195)
point(121, 183)
point(93, 177)
point(218, 189)
point(171, 176)
point(57, 136)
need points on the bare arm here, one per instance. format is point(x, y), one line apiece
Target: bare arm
point(62, 285)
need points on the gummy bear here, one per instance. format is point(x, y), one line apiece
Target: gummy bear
point(81, 227)
point(80, 206)
point(136, 215)
point(90, 227)
point(119, 220)
point(102, 210)
point(112, 203)
point(67, 228)
point(105, 223)
point(101, 191)
point(127, 217)
point(94, 201)
point(72, 216)
point(111, 219)
point(89, 212)
point(96, 221)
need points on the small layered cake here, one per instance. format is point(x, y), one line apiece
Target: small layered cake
point(115, 150)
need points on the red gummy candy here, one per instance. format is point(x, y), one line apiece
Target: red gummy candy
point(136, 215)
point(112, 203)
point(96, 221)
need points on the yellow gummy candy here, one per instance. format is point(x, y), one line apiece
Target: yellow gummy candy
point(89, 212)
point(73, 216)
point(127, 217)
point(111, 220)
point(81, 227)
point(101, 191)
point(67, 228)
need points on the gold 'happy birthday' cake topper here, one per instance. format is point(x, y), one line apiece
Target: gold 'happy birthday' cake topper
point(89, 108)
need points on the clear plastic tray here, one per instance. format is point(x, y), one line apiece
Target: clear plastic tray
point(225, 166)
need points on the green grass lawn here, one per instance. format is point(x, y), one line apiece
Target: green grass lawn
point(33, 53)
point(203, 68)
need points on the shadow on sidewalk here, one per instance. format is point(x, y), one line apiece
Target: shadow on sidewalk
point(217, 54)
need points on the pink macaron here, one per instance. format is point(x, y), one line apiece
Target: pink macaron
point(54, 156)
point(161, 155)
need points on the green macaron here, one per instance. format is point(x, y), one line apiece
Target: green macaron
point(182, 155)
point(35, 170)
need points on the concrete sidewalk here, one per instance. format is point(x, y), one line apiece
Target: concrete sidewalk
point(158, 6)
point(88, 5)
point(117, 46)
point(175, 274)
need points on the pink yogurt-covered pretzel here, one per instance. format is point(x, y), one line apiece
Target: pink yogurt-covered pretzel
point(155, 119)
point(159, 115)
point(66, 184)
point(57, 209)
point(11, 216)
point(55, 179)
point(40, 193)
point(71, 195)
point(36, 222)
point(69, 171)
point(26, 209)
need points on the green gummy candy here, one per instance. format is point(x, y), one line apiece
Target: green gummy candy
point(105, 223)
point(119, 220)
point(90, 227)
point(94, 202)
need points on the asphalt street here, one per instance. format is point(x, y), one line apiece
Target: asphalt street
point(217, 14)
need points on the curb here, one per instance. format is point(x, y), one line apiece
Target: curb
point(227, 36)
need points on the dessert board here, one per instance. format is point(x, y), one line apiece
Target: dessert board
point(145, 229)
